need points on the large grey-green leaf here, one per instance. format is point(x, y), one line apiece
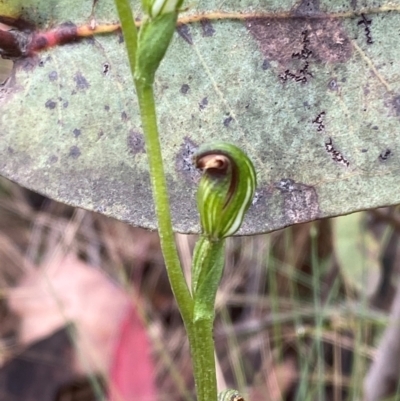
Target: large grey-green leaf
point(311, 92)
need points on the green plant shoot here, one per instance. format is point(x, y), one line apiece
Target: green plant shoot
point(154, 37)
point(225, 192)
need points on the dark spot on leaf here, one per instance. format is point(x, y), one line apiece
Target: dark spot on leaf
point(65, 104)
point(184, 33)
point(385, 155)
point(185, 89)
point(300, 201)
point(396, 105)
point(10, 150)
point(106, 107)
point(135, 142)
point(207, 28)
point(50, 104)
point(81, 82)
point(281, 39)
point(100, 134)
point(364, 150)
point(53, 159)
point(265, 65)
point(121, 38)
point(184, 160)
point(367, 30)
point(335, 154)
point(301, 76)
point(203, 104)
point(333, 85)
point(124, 116)
point(106, 68)
point(319, 121)
point(227, 121)
point(74, 152)
point(307, 8)
point(375, 127)
point(77, 132)
point(53, 76)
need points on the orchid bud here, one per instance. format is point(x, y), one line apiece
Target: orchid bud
point(226, 188)
point(158, 7)
point(155, 36)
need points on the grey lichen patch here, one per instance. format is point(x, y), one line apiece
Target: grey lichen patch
point(260, 197)
point(135, 142)
point(74, 152)
point(184, 160)
point(185, 89)
point(333, 85)
point(81, 81)
point(53, 76)
point(227, 121)
point(265, 65)
point(282, 39)
point(307, 8)
point(184, 33)
point(53, 159)
point(77, 132)
point(300, 201)
point(50, 104)
point(396, 105)
point(203, 104)
point(207, 28)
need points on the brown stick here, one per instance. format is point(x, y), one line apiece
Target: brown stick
point(9, 45)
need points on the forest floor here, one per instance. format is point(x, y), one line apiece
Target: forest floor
point(87, 313)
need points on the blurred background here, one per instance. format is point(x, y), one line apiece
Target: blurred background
point(86, 310)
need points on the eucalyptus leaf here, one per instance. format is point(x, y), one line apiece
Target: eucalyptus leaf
point(310, 90)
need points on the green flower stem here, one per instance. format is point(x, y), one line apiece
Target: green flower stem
point(149, 123)
point(202, 349)
point(207, 268)
point(145, 97)
point(197, 312)
point(129, 30)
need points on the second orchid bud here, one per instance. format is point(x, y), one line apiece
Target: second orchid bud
point(155, 8)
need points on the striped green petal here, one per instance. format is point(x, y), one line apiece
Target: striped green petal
point(230, 395)
point(226, 188)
